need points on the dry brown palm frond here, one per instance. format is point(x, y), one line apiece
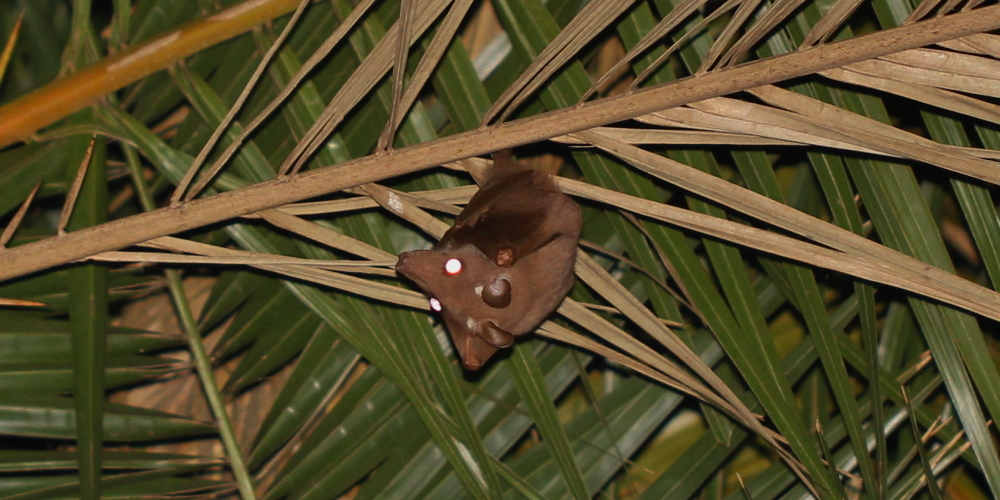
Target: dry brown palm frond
point(553, 124)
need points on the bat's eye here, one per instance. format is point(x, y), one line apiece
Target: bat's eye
point(453, 267)
point(435, 304)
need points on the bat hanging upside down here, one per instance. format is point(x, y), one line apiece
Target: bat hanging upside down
point(505, 264)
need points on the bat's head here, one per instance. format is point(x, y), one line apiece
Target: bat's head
point(486, 301)
point(470, 291)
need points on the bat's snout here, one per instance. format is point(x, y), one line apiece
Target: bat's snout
point(405, 264)
point(401, 262)
point(410, 264)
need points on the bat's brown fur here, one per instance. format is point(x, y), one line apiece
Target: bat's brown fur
point(520, 228)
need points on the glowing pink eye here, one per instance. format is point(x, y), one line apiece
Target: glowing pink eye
point(435, 304)
point(452, 267)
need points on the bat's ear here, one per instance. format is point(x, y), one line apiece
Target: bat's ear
point(494, 335)
point(472, 350)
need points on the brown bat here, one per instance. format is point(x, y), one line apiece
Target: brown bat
point(505, 264)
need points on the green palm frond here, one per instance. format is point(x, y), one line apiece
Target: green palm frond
point(786, 280)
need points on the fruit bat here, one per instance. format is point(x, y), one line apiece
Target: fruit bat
point(505, 264)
